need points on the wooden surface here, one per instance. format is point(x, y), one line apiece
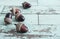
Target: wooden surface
point(41, 19)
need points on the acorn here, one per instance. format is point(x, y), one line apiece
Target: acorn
point(19, 17)
point(8, 18)
point(26, 5)
point(21, 28)
point(15, 11)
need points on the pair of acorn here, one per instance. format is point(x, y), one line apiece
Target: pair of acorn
point(20, 27)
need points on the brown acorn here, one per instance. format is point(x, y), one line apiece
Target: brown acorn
point(8, 18)
point(15, 11)
point(26, 5)
point(21, 28)
point(19, 17)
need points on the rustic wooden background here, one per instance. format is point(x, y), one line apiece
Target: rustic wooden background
point(42, 19)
